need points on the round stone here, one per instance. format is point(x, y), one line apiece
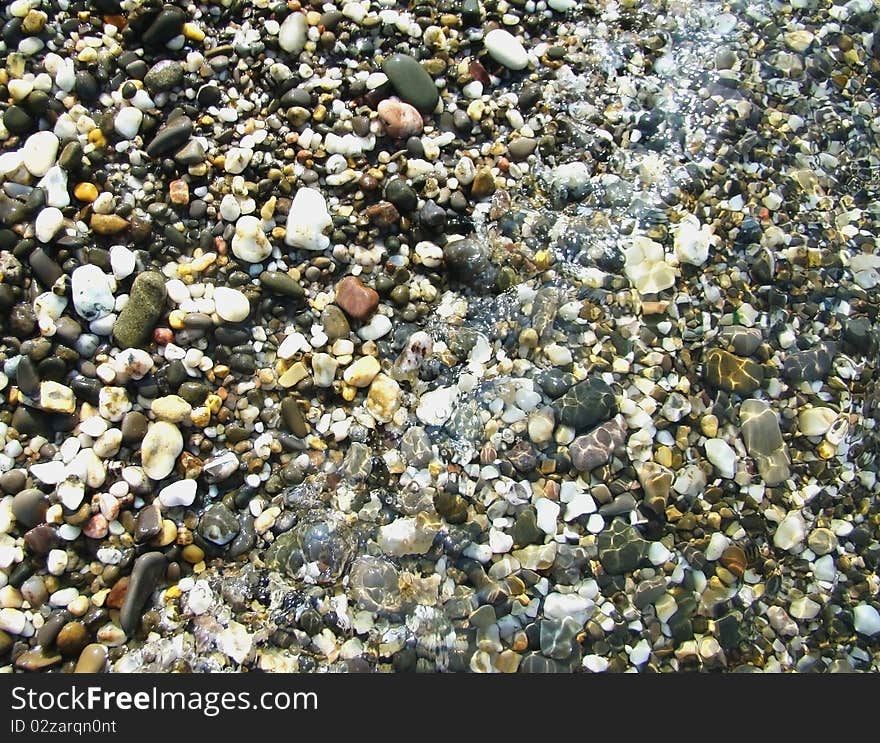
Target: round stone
point(231, 304)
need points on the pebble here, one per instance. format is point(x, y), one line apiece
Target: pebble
point(362, 372)
point(48, 223)
point(39, 153)
point(293, 33)
point(866, 620)
point(790, 532)
point(764, 442)
point(722, 456)
point(92, 292)
point(412, 83)
point(232, 305)
point(506, 49)
point(180, 493)
point(358, 301)
point(161, 446)
point(306, 221)
point(148, 570)
point(136, 321)
point(128, 122)
point(401, 120)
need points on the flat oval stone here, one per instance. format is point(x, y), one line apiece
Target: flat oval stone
point(161, 447)
point(506, 49)
point(411, 82)
point(92, 659)
point(586, 404)
point(812, 365)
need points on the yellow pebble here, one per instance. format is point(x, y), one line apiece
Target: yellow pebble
point(167, 536)
point(199, 567)
point(213, 403)
point(86, 192)
point(192, 32)
point(97, 138)
point(349, 392)
point(173, 592)
point(175, 319)
point(200, 416)
point(192, 554)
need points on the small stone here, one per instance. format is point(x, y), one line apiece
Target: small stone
point(292, 34)
point(72, 638)
point(180, 493)
point(171, 408)
point(405, 536)
point(57, 398)
point(866, 620)
point(412, 83)
point(416, 448)
point(357, 300)
point(160, 449)
point(92, 659)
point(250, 242)
point(219, 525)
point(39, 153)
point(816, 421)
point(362, 371)
point(135, 323)
point(401, 120)
point(790, 532)
point(231, 304)
point(92, 292)
point(586, 404)
point(47, 223)
point(597, 448)
point(306, 221)
point(822, 541)
point(722, 456)
point(383, 397)
point(506, 49)
point(148, 570)
point(128, 122)
point(108, 224)
point(324, 368)
point(293, 417)
point(812, 365)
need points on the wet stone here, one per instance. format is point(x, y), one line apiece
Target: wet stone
point(321, 548)
point(29, 507)
point(586, 404)
point(648, 591)
point(525, 529)
point(293, 417)
point(763, 439)
point(731, 373)
point(740, 340)
point(621, 548)
point(148, 570)
point(218, 525)
point(358, 463)
point(812, 365)
point(415, 447)
point(374, 584)
point(558, 637)
point(148, 523)
point(597, 447)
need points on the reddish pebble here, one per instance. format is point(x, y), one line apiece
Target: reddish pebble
point(117, 594)
point(179, 192)
point(163, 336)
point(401, 120)
point(96, 527)
point(358, 301)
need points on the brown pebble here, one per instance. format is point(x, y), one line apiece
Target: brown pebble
point(734, 559)
point(92, 659)
point(358, 301)
point(72, 638)
point(107, 224)
point(117, 594)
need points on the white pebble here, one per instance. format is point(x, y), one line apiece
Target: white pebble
point(180, 493)
point(231, 304)
point(39, 153)
point(128, 122)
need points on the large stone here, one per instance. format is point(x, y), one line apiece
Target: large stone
point(411, 82)
point(135, 323)
point(812, 365)
point(586, 404)
point(764, 442)
point(621, 548)
point(732, 373)
point(597, 447)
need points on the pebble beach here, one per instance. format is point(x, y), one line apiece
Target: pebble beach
point(491, 336)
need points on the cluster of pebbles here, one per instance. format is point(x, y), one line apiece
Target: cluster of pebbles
point(469, 335)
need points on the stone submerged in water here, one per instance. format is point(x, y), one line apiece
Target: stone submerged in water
point(764, 442)
point(137, 319)
point(412, 83)
point(597, 447)
point(621, 548)
point(731, 373)
point(586, 404)
point(812, 365)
